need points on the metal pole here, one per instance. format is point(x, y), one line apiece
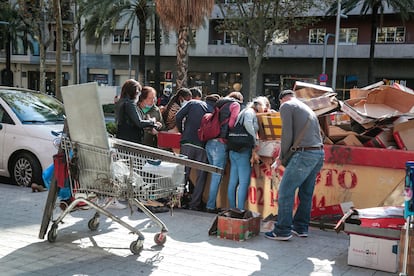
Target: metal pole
point(130, 53)
point(325, 43)
point(335, 61)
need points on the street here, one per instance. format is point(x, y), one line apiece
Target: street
point(189, 249)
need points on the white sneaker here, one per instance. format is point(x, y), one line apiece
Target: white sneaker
point(115, 204)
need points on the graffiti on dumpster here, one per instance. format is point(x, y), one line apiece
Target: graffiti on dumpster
point(327, 180)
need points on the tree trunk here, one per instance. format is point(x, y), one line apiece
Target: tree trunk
point(157, 81)
point(182, 58)
point(255, 60)
point(58, 73)
point(7, 74)
point(372, 44)
point(42, 73)
point(141, 58)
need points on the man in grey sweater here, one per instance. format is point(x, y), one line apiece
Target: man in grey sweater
point(301, 135)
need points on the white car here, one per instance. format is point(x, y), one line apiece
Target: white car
point(29, 124)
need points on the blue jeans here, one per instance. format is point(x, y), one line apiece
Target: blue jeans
point(240, 173)
point(217, 156)
point(300, 174)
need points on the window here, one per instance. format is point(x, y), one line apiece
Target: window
point(348, 36)
point(66, 36)
point(20, 44)
point(120, 36)
point(150, 36)
point(231, 37)
point(280, 37)
point(391, 35)
point(317, 36)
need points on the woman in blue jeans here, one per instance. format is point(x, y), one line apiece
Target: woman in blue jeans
point(241, 160)
point(216, 149)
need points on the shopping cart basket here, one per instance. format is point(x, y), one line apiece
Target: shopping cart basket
point(99, 175)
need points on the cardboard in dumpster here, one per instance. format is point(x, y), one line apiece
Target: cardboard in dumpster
point(317, 97)
point(403, 133)
point(381, 102)
point(238, 229)
point(379, 138)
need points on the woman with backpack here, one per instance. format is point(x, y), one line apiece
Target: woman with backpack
point(216, 148)
point(242, 158)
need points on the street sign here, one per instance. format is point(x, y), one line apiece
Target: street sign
point(323, 78)
point(168, 76)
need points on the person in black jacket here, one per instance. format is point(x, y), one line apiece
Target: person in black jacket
point(130, 124)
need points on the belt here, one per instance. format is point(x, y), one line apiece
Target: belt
point(307, 148)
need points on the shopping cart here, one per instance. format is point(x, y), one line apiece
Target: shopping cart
point(97, 176)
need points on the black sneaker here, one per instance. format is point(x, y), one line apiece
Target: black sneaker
point(272, 235)
point(300, 234)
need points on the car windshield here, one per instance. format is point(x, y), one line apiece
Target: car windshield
point(34, 107)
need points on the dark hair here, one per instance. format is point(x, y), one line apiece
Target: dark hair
point(145, 91)
point(131, 88)
point(213, 97)
point(182, 92)
point(236, 95)
point(285, 93)
point(196, 92)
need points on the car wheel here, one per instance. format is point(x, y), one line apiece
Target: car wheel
point(25, 170)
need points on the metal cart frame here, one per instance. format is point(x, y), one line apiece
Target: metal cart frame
point(94, 177)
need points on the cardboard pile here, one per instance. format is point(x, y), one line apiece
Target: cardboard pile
point(380, 116)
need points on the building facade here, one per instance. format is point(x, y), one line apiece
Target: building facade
point(216, 63)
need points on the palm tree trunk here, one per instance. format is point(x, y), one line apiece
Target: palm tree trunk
point(157, 81)
point(182, 58)
point(141, 58)
point(58, 73)
point(374, 26)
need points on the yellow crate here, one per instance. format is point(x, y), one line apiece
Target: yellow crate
point(270, 126)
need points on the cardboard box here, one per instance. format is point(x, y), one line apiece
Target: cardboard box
point(238, 229)
point(374, 253)
point(270, 126)
point(381, 102)
point(320, 102)
point(310, 90)
point(379, 138)
point(409, 269)
point(350, 140)
point(403, 135)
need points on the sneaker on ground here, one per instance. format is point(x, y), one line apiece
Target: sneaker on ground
point(115, 204)
point(299, 234)
point(272, 235)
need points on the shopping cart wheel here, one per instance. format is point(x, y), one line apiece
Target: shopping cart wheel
point(160, 238)
point(137, 246)
point(93, 224)
point(52, 234)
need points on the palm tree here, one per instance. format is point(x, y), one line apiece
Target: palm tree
point(12, 31)
point(102, 18)
point(403, 7)
point(182, 16)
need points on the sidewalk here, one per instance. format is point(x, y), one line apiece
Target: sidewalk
point(188, 250)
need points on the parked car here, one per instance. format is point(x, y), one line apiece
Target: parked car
point(29, 121)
